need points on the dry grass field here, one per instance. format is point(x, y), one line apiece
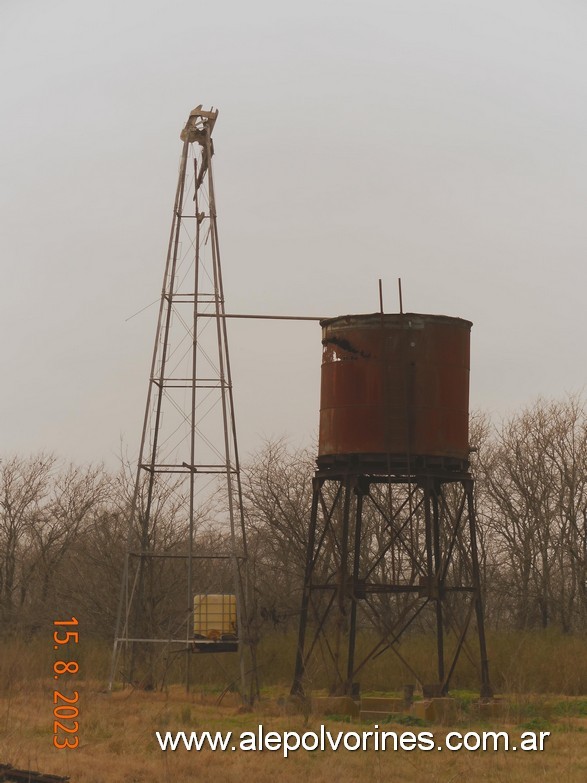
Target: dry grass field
point(118, 743)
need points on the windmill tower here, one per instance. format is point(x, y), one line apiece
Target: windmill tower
point(187, 541)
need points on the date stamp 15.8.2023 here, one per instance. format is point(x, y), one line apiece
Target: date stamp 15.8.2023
point(66, 707)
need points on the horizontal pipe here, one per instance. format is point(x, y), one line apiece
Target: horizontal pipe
point(262, 317)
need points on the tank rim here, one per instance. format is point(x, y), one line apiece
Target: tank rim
point(372, 319)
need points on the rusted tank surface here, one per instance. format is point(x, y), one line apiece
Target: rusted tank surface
point(395, 387)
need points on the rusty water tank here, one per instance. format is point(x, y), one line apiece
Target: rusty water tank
point(395, 390)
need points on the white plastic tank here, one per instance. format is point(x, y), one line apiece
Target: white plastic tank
point(215, 616)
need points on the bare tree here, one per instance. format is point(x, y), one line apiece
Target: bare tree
point(43, 511)
point(24, 489)
point(277, 493)
point(533, 478)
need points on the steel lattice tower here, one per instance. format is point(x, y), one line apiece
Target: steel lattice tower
point(186, 529)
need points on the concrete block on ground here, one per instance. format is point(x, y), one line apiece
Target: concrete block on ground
point(423, 710)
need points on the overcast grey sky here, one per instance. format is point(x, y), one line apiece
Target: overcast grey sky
point(443, 141)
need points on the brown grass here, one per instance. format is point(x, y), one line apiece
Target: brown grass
point(117, 742)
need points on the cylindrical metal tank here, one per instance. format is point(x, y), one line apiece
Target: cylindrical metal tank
point(395, 390)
